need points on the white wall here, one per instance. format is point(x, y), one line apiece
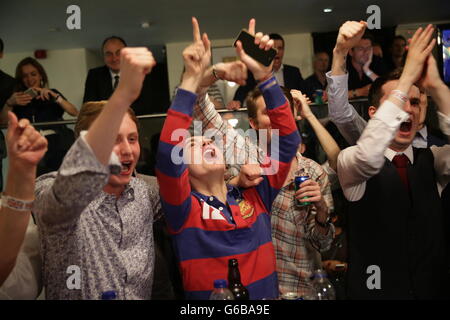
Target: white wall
point(66, 70)
point(298, 52)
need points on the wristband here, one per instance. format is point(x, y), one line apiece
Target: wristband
point(399, 95)
point(16, 204)
point(368, 73)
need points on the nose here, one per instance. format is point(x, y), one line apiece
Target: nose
point(407, 107)
point(125, 148)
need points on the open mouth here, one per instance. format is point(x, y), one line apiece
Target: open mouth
point(209, 154)
point(405, 126)
point(126, 167)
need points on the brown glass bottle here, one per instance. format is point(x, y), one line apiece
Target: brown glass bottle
point(234, 281)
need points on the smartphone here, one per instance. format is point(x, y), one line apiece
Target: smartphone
point(248, 43)
point(31, 92)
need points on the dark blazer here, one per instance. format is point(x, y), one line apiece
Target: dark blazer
point(154, 96)
point(6, 87)
point(292, 80)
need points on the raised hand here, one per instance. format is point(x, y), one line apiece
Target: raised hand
point(26, 146)
point(430, 77)
point(301, 105)
point(420, 47)
point(260, 72)
point(349, 35)
point(250, 176)
point(135, 64)
point(197, 58)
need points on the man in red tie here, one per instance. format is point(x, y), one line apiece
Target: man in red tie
point(396, 231)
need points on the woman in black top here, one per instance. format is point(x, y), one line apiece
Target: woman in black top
point(33, 100)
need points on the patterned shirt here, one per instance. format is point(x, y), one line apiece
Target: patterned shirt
point(207, 232)
point(296, 239)
point(91, 241)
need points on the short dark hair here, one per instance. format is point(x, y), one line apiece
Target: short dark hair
point(399, 37)
point(252, 96)
point(367, 35)
point(276, 36)
point(376, 90)
point(2, 45)
point(113, 38)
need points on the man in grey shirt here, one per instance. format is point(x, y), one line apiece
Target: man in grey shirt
point(95, 218)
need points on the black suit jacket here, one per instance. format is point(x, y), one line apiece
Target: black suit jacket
point(154, 96)
point(292, 80)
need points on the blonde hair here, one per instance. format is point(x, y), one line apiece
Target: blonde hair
point(90, 111)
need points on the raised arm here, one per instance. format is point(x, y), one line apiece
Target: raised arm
point(26, 147)
point(172, 174)
point(349, 123)
point(281, 119)
point(62, 196)
point(327, 142)
point(358, 163)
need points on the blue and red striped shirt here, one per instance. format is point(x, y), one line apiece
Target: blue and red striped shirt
point(206, 232)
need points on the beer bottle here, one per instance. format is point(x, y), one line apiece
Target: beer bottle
point(234, 281)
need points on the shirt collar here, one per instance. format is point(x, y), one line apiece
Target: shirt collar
point(232, 192)
point(113, 74)
point(423, 132)
point(390, 154)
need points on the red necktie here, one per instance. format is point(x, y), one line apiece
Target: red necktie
point(400, 162)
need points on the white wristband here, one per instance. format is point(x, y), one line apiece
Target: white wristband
point(16, 204)
point(368, 73)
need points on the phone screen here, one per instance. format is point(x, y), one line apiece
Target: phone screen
point(31, 92)
point(260, 55)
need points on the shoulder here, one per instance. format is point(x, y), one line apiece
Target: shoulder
point(289, 68)
point(314, 170)
point(98, 71)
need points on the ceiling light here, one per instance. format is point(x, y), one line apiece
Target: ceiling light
point(328, 10)
point(146, 25)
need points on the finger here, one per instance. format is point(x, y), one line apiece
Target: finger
point(430, 47)
point(23, 123)
point(196, 30)
point(270, 44)
point(416, 35)
point(258, 38)
point(264, 41)
point(12, 124)
point(251, 26)
point(240, 51)
point(39, 144)
point(206, 42)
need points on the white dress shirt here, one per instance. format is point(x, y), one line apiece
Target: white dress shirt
point(349, 123)
point(280, 76)
point(113, 79)
point(359, 163)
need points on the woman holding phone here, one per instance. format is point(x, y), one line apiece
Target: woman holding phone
point(33, 100)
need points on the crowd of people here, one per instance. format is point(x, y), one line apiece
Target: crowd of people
point(78, 221)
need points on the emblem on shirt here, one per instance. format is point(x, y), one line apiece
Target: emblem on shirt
point(246, 209)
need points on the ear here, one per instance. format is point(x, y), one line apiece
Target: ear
point(371, 111)
point(253, 123)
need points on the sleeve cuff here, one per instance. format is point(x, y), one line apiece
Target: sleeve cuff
point(390, 114)
point(273, 95)
point(444, 123)
point(184, 101)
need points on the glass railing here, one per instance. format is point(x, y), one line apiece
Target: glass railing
point(151, 125)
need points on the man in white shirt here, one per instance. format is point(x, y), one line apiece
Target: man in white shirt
point(396, 222)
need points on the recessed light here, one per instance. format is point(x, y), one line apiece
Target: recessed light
point(146, 25)
point(328, 10)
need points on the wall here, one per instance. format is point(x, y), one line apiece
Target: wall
point(66, 70)
point(298, 52)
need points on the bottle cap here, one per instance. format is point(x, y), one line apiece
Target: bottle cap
point(221, 283)
point(109, 295)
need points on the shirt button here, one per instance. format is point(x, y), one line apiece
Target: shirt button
point(220, 208)
point(211, 198)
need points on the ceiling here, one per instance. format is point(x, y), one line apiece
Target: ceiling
point(25, 24)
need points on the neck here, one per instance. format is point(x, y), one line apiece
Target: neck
point(357, 66)
point(213, 185)
point(115, 190)
point(398, 148)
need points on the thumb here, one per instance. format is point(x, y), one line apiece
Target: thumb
point(240, 50)
point(13, 123)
